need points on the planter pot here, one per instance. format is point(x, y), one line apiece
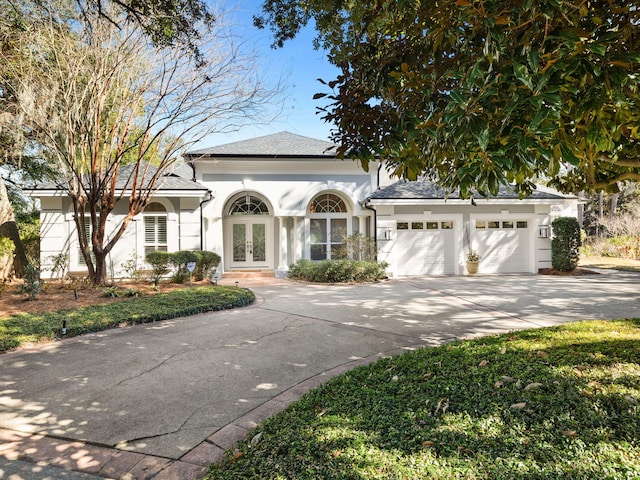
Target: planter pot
point(472, 267)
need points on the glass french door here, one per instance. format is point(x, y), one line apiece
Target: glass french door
point(249, 244)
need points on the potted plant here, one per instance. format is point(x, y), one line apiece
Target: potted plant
point(473, 259)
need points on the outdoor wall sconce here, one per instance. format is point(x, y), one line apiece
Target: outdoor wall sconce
point(387, 234)
point(544, 231)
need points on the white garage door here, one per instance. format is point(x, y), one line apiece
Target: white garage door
point(503, 245)
point(425, 248)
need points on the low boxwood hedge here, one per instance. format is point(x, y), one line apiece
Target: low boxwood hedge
point(337, 271)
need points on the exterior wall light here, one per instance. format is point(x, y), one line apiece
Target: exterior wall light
point(544, 231)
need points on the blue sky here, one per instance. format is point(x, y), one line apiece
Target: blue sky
point(297, 63)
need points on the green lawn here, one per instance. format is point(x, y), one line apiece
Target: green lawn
point(549, 403)
point(35, 328)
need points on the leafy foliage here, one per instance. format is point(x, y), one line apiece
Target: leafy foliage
point(180, 260)
point(337, 271)
point(565, 245)
point(550, 403)
point(474, 94)
point(22, 328)
point(31, 285)
point(6, 247)
point(207, 263)
point(165, 22)
point(159, 262)
point(357, 247)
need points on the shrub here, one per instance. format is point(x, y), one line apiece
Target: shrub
point(180, 260)
point(337, 271)
point(31, 285)
point(60, 263)
point(159, 262)
point(357, 247)
point(110, 292)
point(7, 247)
point(207, 262)
point(565, 244)
point(130, 268)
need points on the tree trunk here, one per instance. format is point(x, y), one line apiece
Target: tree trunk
point(9, 228)
point(600, 213)
point(614, 205)
point(101, 271)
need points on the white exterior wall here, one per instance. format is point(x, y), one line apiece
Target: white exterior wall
point(58, 233)
point(287, 187)
point(189, 224)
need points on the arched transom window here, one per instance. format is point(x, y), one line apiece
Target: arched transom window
point(327, 203)
point(328, 226)
point(248, 205)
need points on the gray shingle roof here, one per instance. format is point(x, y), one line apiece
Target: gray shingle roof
point(424, 190)
point(169, 181)
point(283, 144)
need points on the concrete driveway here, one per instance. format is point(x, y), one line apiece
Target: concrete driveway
point(164, 400)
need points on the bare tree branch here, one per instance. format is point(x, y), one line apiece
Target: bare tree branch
point(102, 101)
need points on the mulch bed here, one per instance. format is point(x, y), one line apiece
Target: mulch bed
point(575, 273)
point(59, 296)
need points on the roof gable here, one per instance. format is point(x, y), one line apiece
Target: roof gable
point(283, 144)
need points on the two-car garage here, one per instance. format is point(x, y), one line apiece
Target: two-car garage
point(423, 230)
point(433, 247)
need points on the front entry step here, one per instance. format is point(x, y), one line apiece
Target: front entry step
point(244, 274)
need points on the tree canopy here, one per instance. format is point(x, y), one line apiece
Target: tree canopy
point(477, 93)
point(165, 22)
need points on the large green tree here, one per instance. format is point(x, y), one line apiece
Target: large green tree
point(478, 93)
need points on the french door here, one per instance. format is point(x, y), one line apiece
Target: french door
point(249, 243)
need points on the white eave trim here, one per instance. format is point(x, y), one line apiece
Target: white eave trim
point(126, 194)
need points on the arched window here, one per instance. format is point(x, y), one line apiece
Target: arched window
point(328, 226)
point(327, 203)
point(248, 205)
point(155, 228)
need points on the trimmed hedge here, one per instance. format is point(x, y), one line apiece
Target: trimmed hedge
point(565, 244)
point(25, 328)
point(337, 271)
point(160, 263)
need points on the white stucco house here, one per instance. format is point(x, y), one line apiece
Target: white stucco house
point(262, 204)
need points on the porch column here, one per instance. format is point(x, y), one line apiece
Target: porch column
point(362, 224)
point(298, 235)
point(283, 266)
